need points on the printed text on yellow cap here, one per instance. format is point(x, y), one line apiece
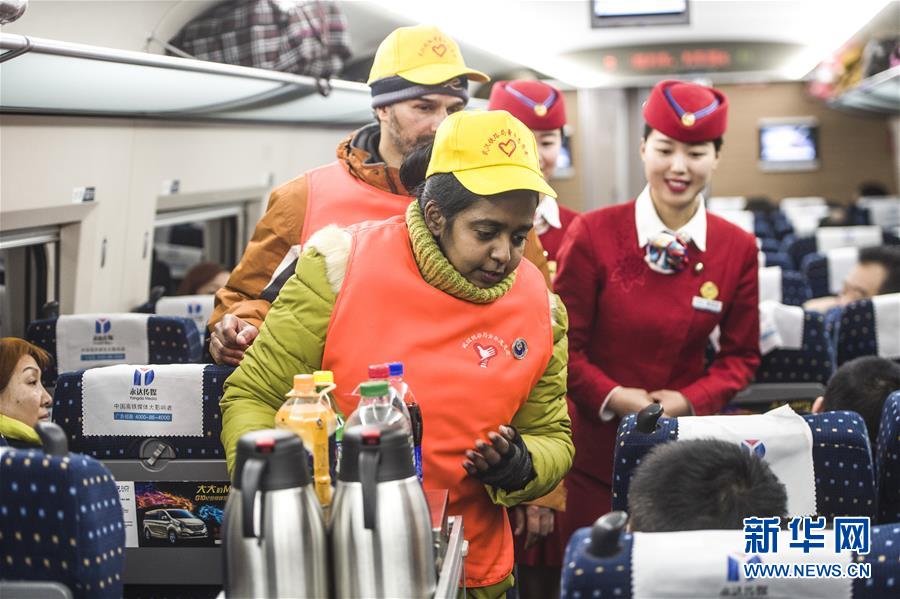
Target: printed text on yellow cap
point(488, 152)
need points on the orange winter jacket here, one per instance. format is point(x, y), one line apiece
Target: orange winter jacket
point(272, 252)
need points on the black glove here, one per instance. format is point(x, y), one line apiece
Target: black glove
point(514, 470)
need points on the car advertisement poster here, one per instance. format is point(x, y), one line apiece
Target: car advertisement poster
point(176, 514)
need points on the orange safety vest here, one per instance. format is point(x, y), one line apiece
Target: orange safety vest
point(471, 366)
point(337, 197)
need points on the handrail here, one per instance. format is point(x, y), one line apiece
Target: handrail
point(12, 41)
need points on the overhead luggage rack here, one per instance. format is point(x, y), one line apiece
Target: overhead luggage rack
point(41, 76)
point(878, 93)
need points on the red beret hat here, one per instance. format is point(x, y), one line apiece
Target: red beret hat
point(539, 105)
point(686, 111)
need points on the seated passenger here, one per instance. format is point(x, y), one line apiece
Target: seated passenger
point(445, 290)
point(876, 273)
point(702, 484)
point(23, 400)
point(861, 385)
point(205, 278)
point(417, 79)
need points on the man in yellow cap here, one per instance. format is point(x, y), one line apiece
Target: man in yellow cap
point(418, 78)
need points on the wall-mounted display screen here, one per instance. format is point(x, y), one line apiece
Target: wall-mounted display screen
point(635, 13)
point(788, 144)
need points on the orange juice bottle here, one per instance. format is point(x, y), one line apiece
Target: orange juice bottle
point(314, 422)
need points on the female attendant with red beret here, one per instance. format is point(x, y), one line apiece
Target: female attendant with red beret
point(645, 283)
point(542, 108)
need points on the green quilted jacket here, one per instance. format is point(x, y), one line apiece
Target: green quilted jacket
point(292, 341)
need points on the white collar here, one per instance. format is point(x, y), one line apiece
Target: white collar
point(649, 225)
point(547, 213)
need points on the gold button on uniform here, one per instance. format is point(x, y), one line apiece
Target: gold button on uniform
point(688, 119)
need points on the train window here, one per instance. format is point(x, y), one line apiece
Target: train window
point(29, 278)
point(183, 239)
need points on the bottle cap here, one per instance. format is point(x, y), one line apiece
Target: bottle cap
point(322, 377)
point(396, 368)
point(379, 371)
point(304, 383)
point(373, 389)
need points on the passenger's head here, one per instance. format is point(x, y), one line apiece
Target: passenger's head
point(702, 484)
point(204, 278)
point(478, 186)
point(22, 395)
point(682, 138)
point(869, 189)
point(861, 386)
point(876, 273)
point(541, 107)
point(417, 80)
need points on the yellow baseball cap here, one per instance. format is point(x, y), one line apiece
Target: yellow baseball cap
point(488, 152)
point(422, 54)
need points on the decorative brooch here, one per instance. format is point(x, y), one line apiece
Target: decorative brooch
point(667, 253)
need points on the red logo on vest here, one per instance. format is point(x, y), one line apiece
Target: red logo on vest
point(485, 353)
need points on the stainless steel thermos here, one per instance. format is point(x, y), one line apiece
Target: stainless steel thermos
point(380, 524)
point(274, 536)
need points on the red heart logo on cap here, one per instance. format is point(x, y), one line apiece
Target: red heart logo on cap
point(507, 147)
point(440, 50)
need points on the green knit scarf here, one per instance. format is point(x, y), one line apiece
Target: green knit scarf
point(437, 270)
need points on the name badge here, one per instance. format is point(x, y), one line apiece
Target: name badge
point(707, 305)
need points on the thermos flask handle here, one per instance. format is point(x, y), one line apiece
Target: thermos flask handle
point(253, 470)
point(368, 476)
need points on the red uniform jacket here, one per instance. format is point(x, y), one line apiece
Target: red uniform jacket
point(634, 327)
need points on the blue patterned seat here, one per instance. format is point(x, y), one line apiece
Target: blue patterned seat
point(815, 269)
point(794, 289)
point(779, 259)
point(887, 460)
point(61, 520)
point(845, 481)
point(812, 363)
point(856, 332)
point(799, 248)
point(171, 340)
point(67, 413)
point(587, 576)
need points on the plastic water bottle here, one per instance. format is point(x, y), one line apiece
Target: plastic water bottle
point(405, 395)
point(324, 380)
point(375, 407)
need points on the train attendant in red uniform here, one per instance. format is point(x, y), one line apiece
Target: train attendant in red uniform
point(542, 108)
point(645, 284)
point(443, 288)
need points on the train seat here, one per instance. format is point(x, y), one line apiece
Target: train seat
point(826, 271)
point(164, 459)
point(112, 388)
point(196, 307)
point(60, 522)
point(869, 328)
point(94, 340)
point(887, 460)
point(841, 457)
point(784, 286)
point(606, 561)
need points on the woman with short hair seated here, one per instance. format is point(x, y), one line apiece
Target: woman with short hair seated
point(23, 400)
